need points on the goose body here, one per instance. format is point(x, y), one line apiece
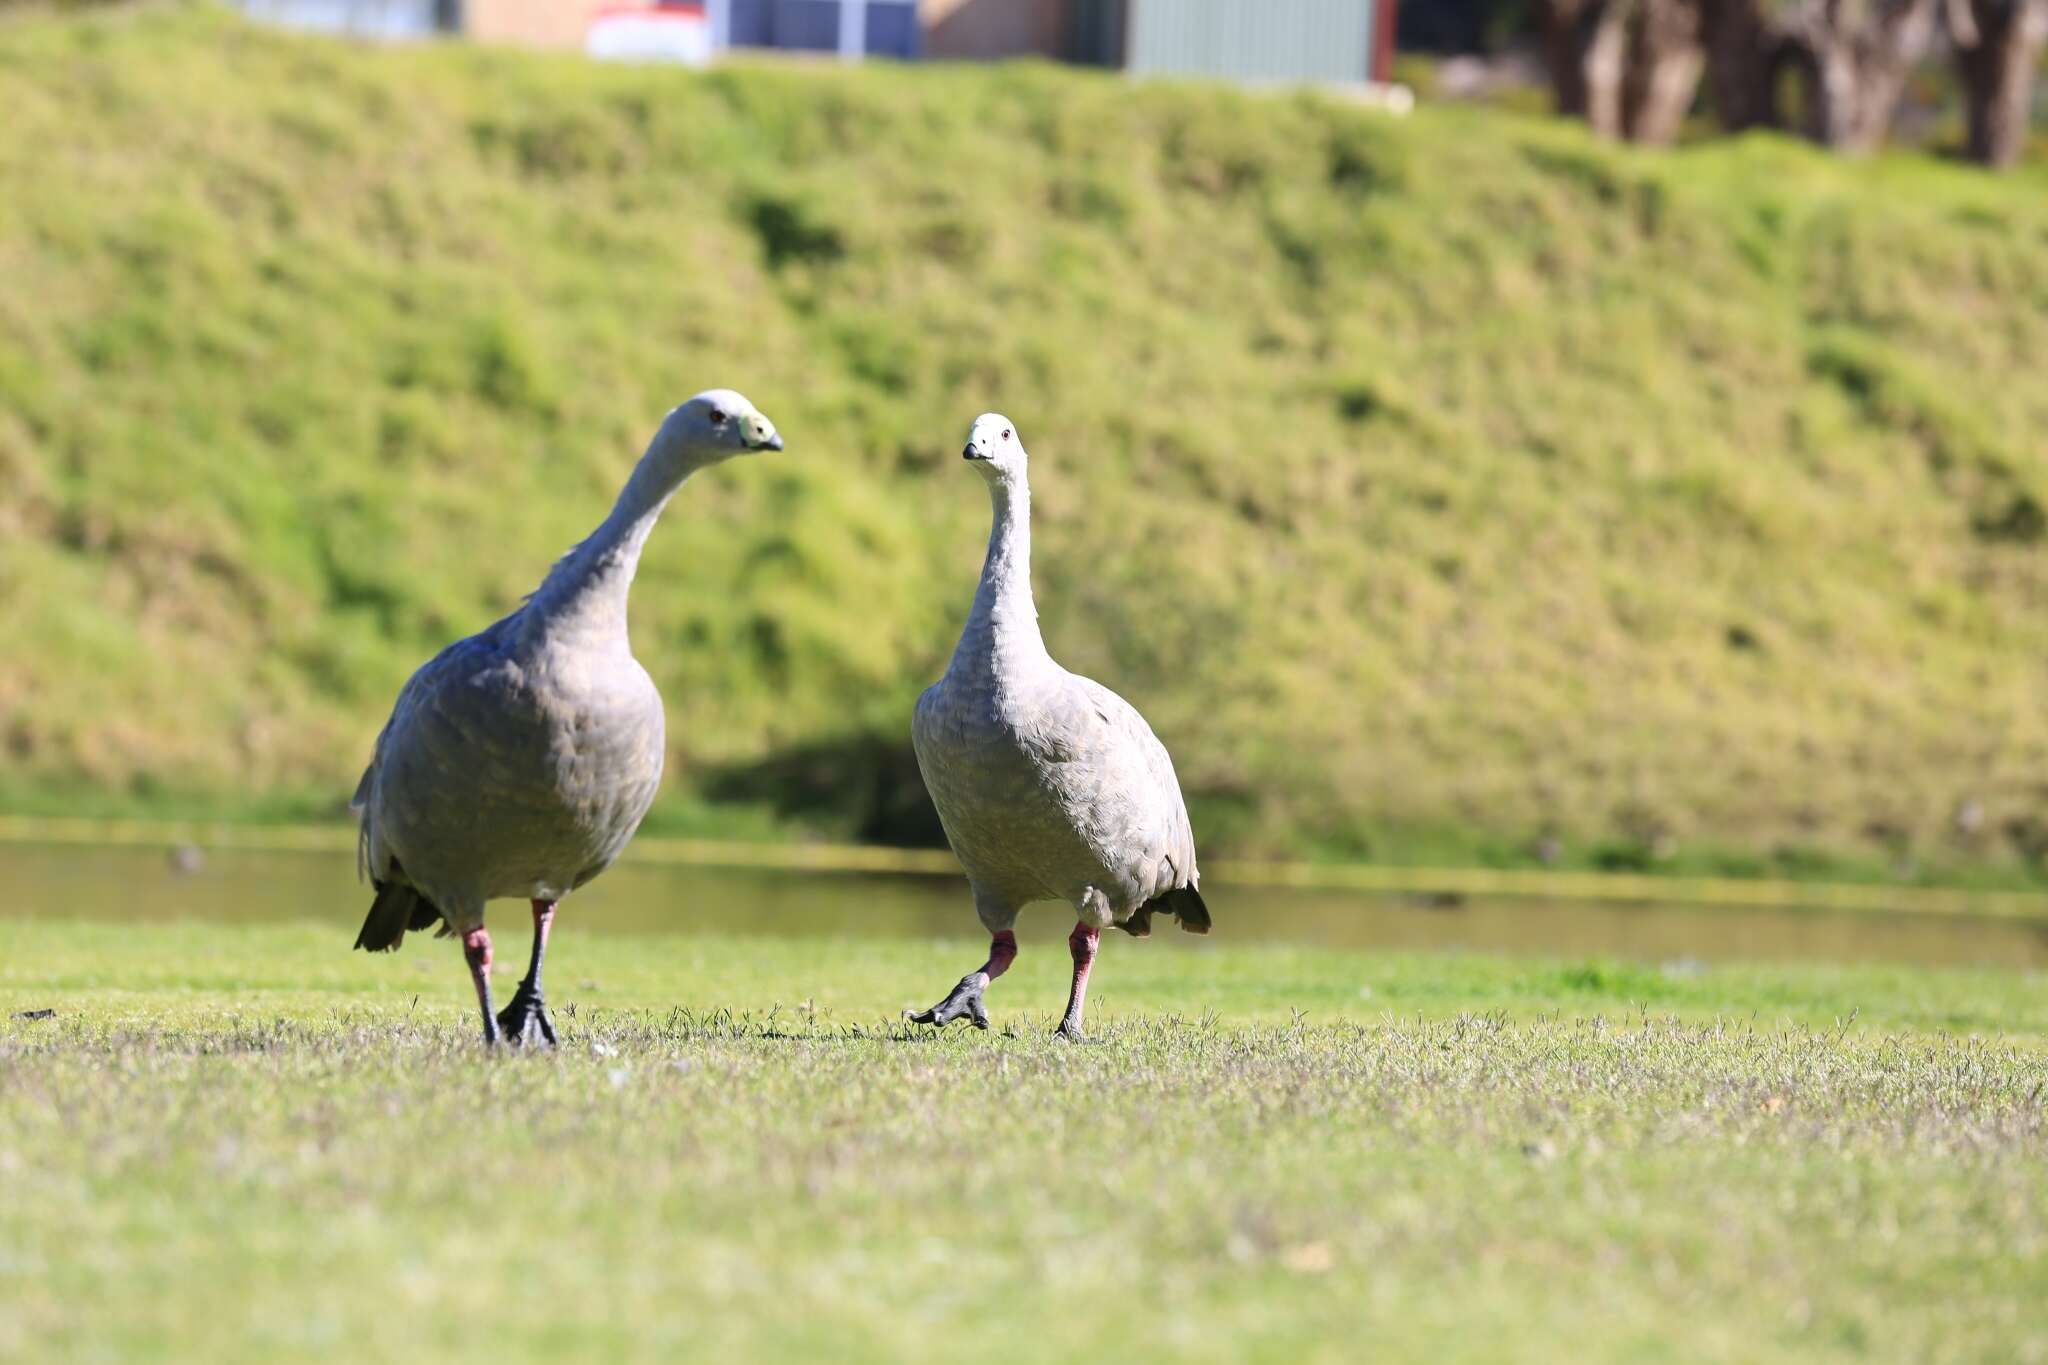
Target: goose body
point(1049, 785)
point(518, 762)
point(557, 754)
point(1052, 787)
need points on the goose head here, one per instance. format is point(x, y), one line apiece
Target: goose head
point(994, 448)
point(715, 426)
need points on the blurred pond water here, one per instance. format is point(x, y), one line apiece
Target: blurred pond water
point(140, 883)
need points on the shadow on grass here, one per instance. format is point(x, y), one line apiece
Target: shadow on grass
point(863, 785)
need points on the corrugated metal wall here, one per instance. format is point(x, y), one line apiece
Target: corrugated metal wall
point(361, 18)
point(1252, 40)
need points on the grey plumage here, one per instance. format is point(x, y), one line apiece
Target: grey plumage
point(519, 761)
point(1049, 785)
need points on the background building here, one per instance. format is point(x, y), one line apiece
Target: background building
point(1325, 41)
point(854, 29)
point(1321, 41)
point(980, 30)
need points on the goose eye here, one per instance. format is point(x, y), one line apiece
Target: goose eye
point(1006, 433)
point(717, 417)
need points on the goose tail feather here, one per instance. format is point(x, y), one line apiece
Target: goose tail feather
point(1184, 903)
point(398, 909)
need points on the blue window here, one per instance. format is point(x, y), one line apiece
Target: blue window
point(813, 25)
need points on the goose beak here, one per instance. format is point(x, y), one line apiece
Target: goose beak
point(773, 441)
point(969, 452)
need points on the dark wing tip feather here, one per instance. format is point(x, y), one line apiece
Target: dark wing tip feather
point(1183, 903)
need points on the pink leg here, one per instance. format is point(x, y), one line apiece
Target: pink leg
point(966, 997)
point(1082, 943)
point(1002, 951)
point(476, 950)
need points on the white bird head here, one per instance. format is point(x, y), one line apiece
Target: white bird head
point(994, 448)
point(716, 425)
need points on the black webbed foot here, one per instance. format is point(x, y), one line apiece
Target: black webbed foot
point(965, 1000)
point(525, 1022)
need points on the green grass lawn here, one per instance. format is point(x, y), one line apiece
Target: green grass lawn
point(249, 1144)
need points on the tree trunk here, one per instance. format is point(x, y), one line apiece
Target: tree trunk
point(1661, 69)
point(1627, 67)
point(1743, 61)
point(1582, 47)
point(1854, 59)
point(1998, 48)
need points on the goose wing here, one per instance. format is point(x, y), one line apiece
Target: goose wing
point(1116, 783)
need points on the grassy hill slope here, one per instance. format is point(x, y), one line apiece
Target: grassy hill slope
point(1452, 478)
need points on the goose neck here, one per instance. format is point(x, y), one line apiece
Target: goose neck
point(1004, 622)
point(584, 595)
